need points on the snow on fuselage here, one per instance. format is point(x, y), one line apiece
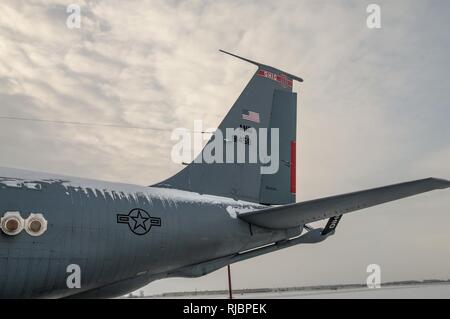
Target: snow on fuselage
point(112, 232)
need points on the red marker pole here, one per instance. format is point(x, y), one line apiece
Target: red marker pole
point(230, 290)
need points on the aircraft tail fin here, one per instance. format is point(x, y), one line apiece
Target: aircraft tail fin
point(267, 102)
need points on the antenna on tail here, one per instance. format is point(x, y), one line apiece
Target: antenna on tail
point(260, 65)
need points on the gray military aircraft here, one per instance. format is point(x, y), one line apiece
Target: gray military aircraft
point(118, 237)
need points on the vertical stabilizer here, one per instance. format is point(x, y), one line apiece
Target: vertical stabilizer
point(266, 102)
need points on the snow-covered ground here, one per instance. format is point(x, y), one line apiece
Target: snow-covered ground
point(431, 291)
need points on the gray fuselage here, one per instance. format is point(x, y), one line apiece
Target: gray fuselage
point(83, 229)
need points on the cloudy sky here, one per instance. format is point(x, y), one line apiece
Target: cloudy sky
point(374, 109)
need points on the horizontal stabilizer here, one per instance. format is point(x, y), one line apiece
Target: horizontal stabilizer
point(293, 215)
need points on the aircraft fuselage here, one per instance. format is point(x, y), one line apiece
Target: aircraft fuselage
point(115, 233)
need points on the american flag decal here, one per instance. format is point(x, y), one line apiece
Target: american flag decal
point(250, 116)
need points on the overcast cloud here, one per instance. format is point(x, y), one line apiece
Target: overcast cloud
point(374, 109)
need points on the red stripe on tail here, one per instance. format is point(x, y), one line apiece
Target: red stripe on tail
point(293, 164)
